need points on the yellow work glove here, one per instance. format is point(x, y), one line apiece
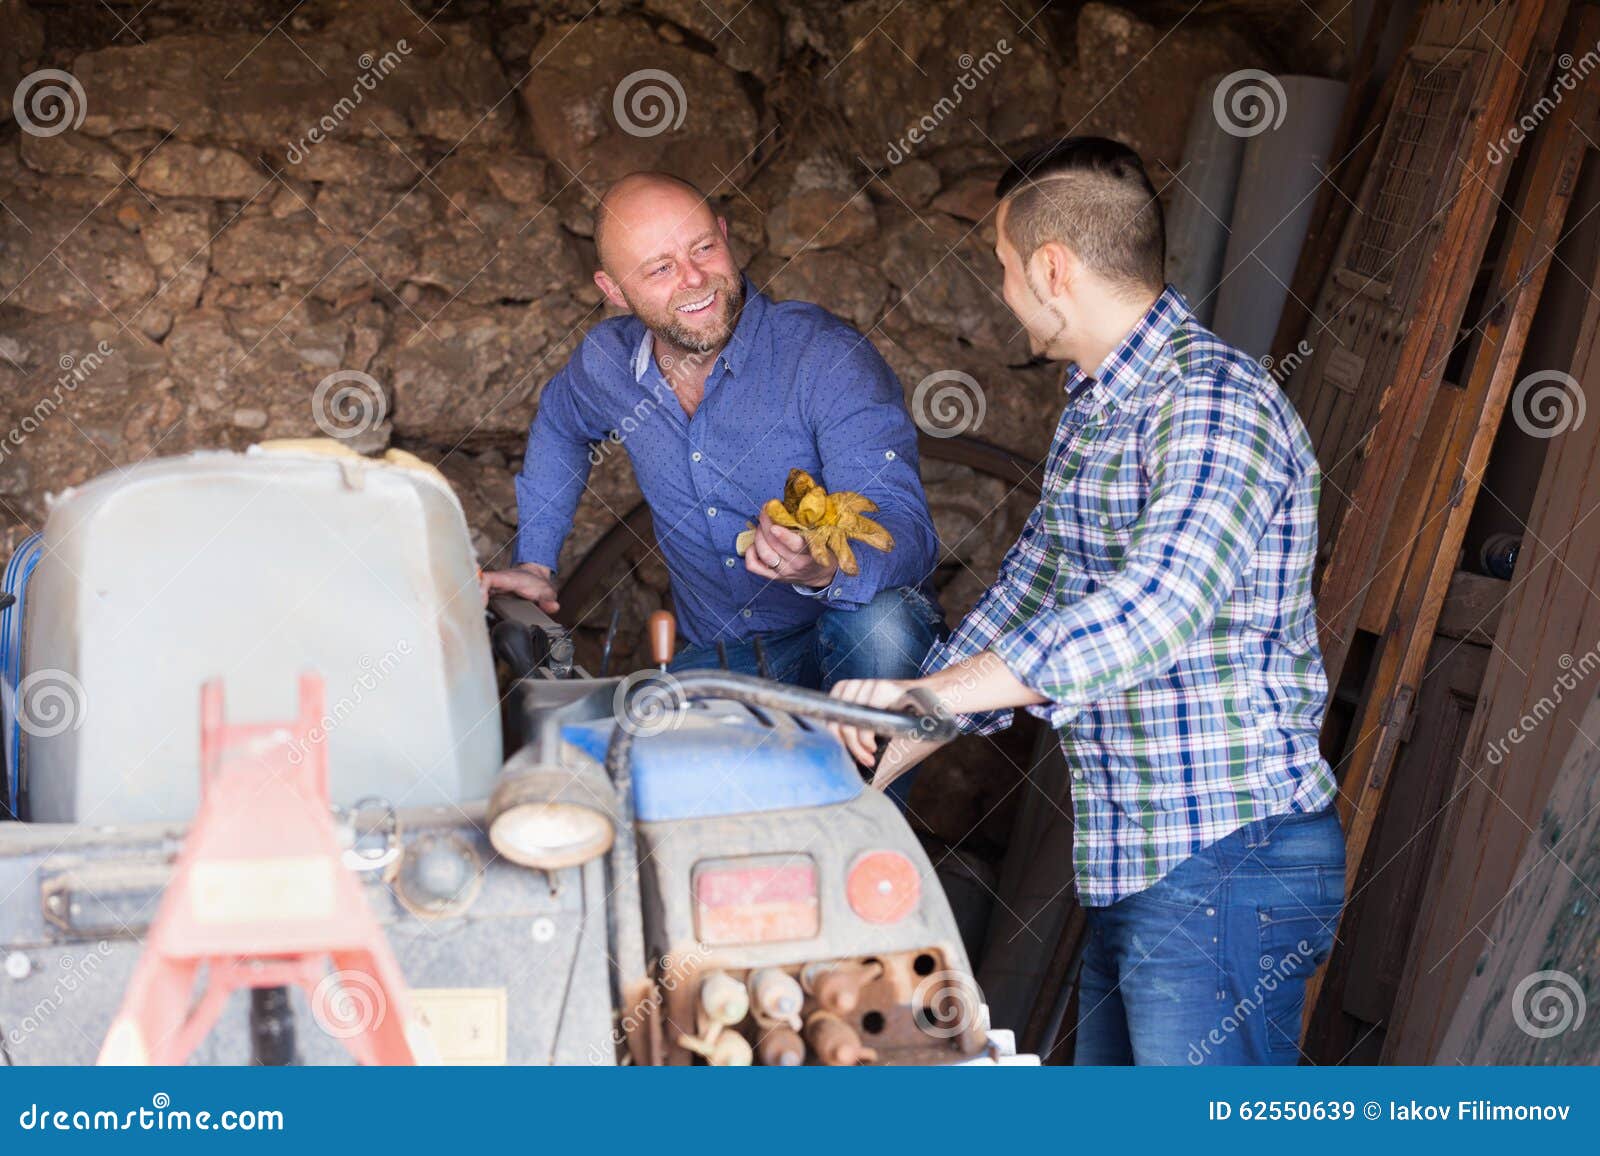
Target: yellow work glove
point(827, 522)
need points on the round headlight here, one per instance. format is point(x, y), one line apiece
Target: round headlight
point(551, 817)
point(551, 835)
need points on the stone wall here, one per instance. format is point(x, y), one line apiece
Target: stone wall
point(209, 208)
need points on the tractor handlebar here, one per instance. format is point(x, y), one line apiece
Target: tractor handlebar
point(922, 716)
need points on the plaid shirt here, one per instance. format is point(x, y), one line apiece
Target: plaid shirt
point(1160, 598)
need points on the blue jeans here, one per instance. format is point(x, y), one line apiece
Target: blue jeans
point(1209, 965)
point(886, 638)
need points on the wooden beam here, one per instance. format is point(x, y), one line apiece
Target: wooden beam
point(1378, 606)
point(1549, 628)
point(1539, 210)
point(1524, 1004)
point(1366, 967)
point(1471, 610)
point(1431, 329)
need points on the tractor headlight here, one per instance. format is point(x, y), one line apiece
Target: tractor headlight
point(552, 817)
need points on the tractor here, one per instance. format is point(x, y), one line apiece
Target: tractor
point(280, 788)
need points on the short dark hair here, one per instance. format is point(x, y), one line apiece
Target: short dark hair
point(1092, 195)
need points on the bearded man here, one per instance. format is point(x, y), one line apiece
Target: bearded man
point(716, 392)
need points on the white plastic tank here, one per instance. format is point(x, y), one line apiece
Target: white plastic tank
point(253, 568)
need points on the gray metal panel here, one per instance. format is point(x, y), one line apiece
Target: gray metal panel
point(1202, 206)
point(1283, 169)
point(252, 568)
point(543, 945)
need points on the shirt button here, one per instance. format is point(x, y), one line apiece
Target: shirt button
point(1077, 773)
point(711, 511)
point(1104, 521)
point(694, 457)
point(727, 562)
point(746, 613)
point(888, 455)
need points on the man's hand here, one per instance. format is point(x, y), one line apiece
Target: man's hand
point(529, 580)
point(779, 552)
point(901, 754)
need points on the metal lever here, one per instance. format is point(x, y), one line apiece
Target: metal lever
point(611, 641)
point(922, 719)
point(663, 637)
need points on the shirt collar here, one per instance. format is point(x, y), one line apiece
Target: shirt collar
point(741, 346)
point(1135, 361)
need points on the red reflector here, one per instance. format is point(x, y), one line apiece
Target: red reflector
point(757, 899)
point(883, 887)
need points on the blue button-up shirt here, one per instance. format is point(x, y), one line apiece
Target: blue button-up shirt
point(795, 387)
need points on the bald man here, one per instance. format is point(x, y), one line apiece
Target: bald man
point(715, 392)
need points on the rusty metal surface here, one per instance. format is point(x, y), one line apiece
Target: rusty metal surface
point(920, 1007)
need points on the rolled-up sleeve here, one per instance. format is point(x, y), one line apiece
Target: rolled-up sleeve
point(1217, 475)
point(555, 468)
point(868, 443)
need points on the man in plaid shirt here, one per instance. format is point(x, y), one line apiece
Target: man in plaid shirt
point(1157, 611)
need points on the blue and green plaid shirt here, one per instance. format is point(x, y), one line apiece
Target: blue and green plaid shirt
point(1160, 598)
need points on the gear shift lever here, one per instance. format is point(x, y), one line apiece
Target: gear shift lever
point(663, 637)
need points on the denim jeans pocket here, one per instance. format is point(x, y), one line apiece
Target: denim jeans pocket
point(1295, 940)
point(1302, 851)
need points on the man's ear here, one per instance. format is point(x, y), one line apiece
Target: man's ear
point(722, 223)
point(611, 289)
point(1060, 268)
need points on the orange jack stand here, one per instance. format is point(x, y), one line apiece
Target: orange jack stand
point(260, 898)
